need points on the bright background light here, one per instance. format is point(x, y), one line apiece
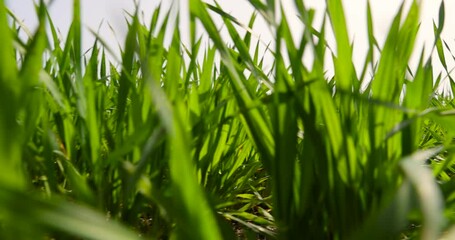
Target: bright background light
point(97, 14)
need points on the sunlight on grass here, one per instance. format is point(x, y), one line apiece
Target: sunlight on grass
point(202, 141)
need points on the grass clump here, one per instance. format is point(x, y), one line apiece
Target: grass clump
point(169, 144)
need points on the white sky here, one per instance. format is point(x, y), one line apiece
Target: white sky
point(113, 12)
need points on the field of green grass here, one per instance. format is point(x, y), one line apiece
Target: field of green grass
point(202, 142)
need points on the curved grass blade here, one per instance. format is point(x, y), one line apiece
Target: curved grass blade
point(56, 214)
point(190, 209)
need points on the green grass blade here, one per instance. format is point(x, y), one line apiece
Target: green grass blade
point(343, 62)
point(77, 37)
point(10, 138)
point(430, 198)
point(284, 120)
point(190, 209)
point(60, 215)
point(125, 81)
